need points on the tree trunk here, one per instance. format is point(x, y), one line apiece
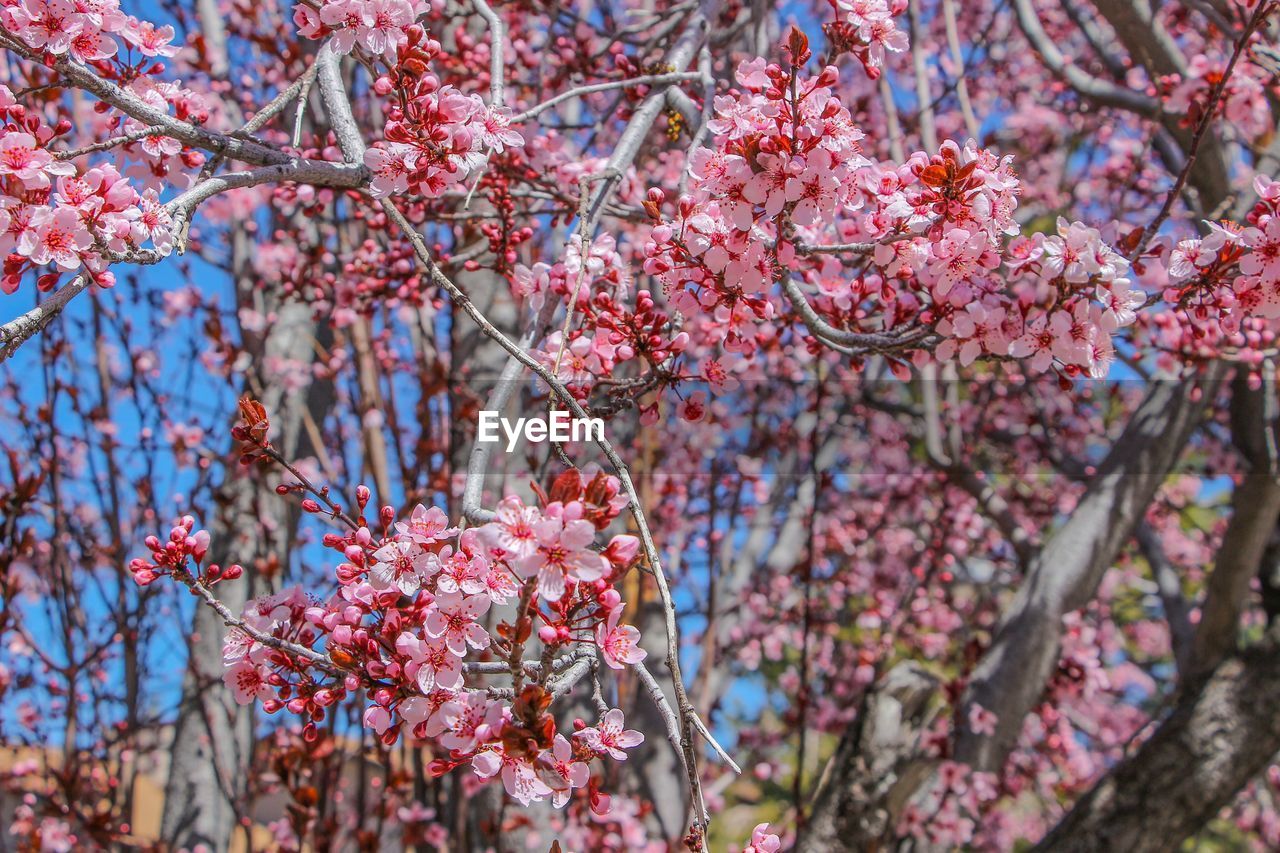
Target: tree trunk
point(1065, 574)
point(1208, 749)
point(875, 768)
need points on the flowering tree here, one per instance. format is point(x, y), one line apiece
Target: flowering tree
point(937, 498)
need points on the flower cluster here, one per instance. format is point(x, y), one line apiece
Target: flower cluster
point(606, 272)
point(380, 27)
point(84, 31)
point(866, 29)
point(786, 179)
point(1233, 273)
point(613, 328)
point(406, 628)
point(1075, 293)
point(254, 666)
point(784, 156)
point(171, 557)
point(53, 214)
point(961, 795)
point(1243, 100)
point(435, 135)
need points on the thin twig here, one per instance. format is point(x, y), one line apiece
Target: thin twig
point(1215, 96)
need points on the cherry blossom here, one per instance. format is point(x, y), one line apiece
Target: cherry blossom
point(609, 737)
point(865, 316)
point(453, 618)
point(618, 643)
point(561, 557)
point(400, 563)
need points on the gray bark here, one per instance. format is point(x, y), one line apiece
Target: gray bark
point(876, 766)
point(1210, 746)
point(1065, 574)
point(1255, 508)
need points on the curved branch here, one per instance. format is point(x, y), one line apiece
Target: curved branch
point(127, 102)
point(830, 334)
point(1085, 84)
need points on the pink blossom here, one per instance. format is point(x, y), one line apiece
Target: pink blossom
point(982, 721)
point(1263, 259)
point(22, 158)
point(431, 662)
point(560, 772)
point(426, 526)
point(512, 530)
point(610, 738)
point(452, 618)
point(400, 563)
point(149, 39)
point(377, 718)
point(562, 555)
point(518, 775)
point(246, 682)
point(493, 130)
point(462, 573)
point(59, 236)
point(762, 840)
point(619, 644)
point(470, 720)
point(48, 25)
point(425, 715)
point(391, 167)
point(382, 27)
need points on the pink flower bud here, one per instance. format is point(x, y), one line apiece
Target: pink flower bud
point(622, 550)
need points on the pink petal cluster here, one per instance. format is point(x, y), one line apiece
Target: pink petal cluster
point(785, 179)
point(1225, 286)
point(61, 216)
point(866, 28)
point(84, 31)
point(379, 27)
point(435, 135)
point(610, 737)
point(410, 616)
